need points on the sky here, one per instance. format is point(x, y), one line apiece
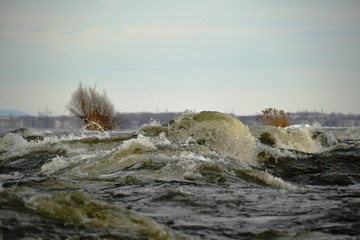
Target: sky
point(231, 56)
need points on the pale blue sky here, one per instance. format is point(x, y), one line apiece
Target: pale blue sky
point(225, 55)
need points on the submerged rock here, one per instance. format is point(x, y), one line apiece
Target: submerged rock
point(324, 139)
point(86, 210)
point(212, 173)
point(267, 139)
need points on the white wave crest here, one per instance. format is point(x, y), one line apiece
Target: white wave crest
point(304, 138)
point(270, 180)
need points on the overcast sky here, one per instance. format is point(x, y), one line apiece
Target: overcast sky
point(157, 55)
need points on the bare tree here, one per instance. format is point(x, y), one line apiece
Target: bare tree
point(94, 109)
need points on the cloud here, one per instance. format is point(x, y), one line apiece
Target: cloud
point(139, 32)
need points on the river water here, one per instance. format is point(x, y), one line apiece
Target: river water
point(201, 176)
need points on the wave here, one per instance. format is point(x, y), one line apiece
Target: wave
point(205, 146)
point(191, 148)
point(349, 137)
point(221, 132)
point(304, 138)
point(25, 142)
point(86, 210)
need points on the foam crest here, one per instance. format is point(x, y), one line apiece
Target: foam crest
point(13, 144)
point(349, 134)
point(304, 138)
point(135, 146)
point(270, 180)
point(127, 154)
point(12, 141)
point(267, 152)
point(54, 165)
point(21, 142)
point(185, 165)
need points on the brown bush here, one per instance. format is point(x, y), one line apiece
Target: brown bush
point(273, 117)
point(93, 108)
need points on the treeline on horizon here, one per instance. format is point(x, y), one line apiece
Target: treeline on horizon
point(159, 113)
point(133, 120)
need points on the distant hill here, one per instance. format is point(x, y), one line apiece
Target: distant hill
point(12, 113)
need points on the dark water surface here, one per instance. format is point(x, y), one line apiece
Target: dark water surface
point(203, 176)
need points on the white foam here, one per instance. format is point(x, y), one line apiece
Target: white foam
point(12, 140)
point(188, 162)
point(270, 180)
point(281, 153)
point(77, 163)
point(163, 141)
point(13, 144)
point(298, 137)
point(189, 141)
point(140, 144)
point(56, 164)
point(127, 154)
point(349, 134)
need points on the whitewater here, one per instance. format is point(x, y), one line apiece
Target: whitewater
point(201, 176)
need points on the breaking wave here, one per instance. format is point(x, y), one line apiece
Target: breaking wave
point(304, 138)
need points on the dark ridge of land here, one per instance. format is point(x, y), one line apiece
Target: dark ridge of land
point(136, 120)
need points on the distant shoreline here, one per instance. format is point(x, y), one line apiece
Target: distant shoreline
point(135, 120)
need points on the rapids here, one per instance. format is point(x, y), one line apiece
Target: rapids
point(201, 176)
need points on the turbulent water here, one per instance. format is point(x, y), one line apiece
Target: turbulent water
point(201, 176)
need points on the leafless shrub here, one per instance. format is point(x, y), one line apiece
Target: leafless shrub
point(94, 109)
point(273, 117)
